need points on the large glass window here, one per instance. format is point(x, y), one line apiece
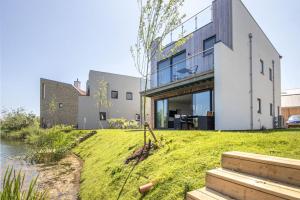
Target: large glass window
point(202, 103)
point(161, 115)
point(164, 72)
point(179, 66)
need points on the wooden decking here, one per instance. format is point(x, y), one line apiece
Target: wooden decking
point(246, 176)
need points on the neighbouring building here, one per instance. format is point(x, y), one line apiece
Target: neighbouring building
point(62, 103)
point(290, 103)
point(59, 102)
point(123, 96)
point(226, 76)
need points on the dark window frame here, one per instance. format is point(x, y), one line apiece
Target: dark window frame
point(259, 105)
point(170, 66)
point(137, 117)
point(205, 52)
point(158, 70)
point(102, 116)
point(262, 67)
point(129, 93)
point(270, 74)
point(271, 109)
point(112, 96)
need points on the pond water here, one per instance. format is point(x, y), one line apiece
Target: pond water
point(12, 154)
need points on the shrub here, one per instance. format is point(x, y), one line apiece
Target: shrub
point(13, 187)
point(123, 124)
point(16, 119)
point(53, 144)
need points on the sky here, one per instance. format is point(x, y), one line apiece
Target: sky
point(64, 39)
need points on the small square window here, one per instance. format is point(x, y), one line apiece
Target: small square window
point(259, 105)
point(270, 74)
point(137, 117)
point(102, 116)
point(262, 67)
point(129, 96)
point(114, 94)
point(60, 105)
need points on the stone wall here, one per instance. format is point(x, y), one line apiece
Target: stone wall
point(58, 103)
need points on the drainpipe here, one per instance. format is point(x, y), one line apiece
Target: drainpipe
point(273, 79)
point(251, 83)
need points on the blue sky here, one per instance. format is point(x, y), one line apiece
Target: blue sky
point(64, 39)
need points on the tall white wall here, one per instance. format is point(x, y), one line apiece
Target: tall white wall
point(88, 111)
point(232, 75)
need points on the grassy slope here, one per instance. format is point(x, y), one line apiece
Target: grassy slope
point(178, 167)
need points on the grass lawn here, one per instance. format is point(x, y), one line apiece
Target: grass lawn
point(179, 166)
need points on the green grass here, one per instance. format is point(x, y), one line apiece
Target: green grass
point(179, 166)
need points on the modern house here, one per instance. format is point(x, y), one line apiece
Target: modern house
point(290, 103)
point(226, 76)
point(62, 103)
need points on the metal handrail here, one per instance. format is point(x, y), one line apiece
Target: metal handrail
point(195, 15)
point(192, 56)
point(182, 25)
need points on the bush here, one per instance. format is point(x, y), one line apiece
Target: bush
point(123, 124)
point(53, 144)
point(16, 119)
point(13, 187)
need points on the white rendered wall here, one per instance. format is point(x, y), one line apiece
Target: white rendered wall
point(88, 111)
point(232, 76)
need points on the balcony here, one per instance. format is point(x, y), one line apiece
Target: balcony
point(175, 69)
point(190, 25)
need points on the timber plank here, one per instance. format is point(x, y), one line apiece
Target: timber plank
point(275, 168)
point(246, 187)
point(206, 194)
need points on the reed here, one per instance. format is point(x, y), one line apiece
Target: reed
point(13, 187)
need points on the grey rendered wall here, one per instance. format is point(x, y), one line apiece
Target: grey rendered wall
point(232, 75)
point(88, 115)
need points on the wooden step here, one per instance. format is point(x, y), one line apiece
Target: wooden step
point(275, 168)
point(246, 187)
point(206, 194)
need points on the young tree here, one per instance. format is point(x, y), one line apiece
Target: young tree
point(101, 96)
point(157, 19)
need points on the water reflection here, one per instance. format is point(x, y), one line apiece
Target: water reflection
point(12, 154)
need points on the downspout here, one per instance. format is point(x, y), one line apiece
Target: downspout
point(273, 79)
point(251, 83)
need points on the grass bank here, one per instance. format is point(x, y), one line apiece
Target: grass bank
point(178, 167)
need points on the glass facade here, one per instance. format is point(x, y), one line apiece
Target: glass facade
point(161, 115)
point(164, 72)
point(179, 66)
point(202, 103)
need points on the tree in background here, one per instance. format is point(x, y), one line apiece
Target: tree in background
point(102, 97)
point(16, 119)
point(157, 19)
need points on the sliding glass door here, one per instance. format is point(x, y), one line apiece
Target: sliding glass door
point(202, 103)
point(161, 114)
